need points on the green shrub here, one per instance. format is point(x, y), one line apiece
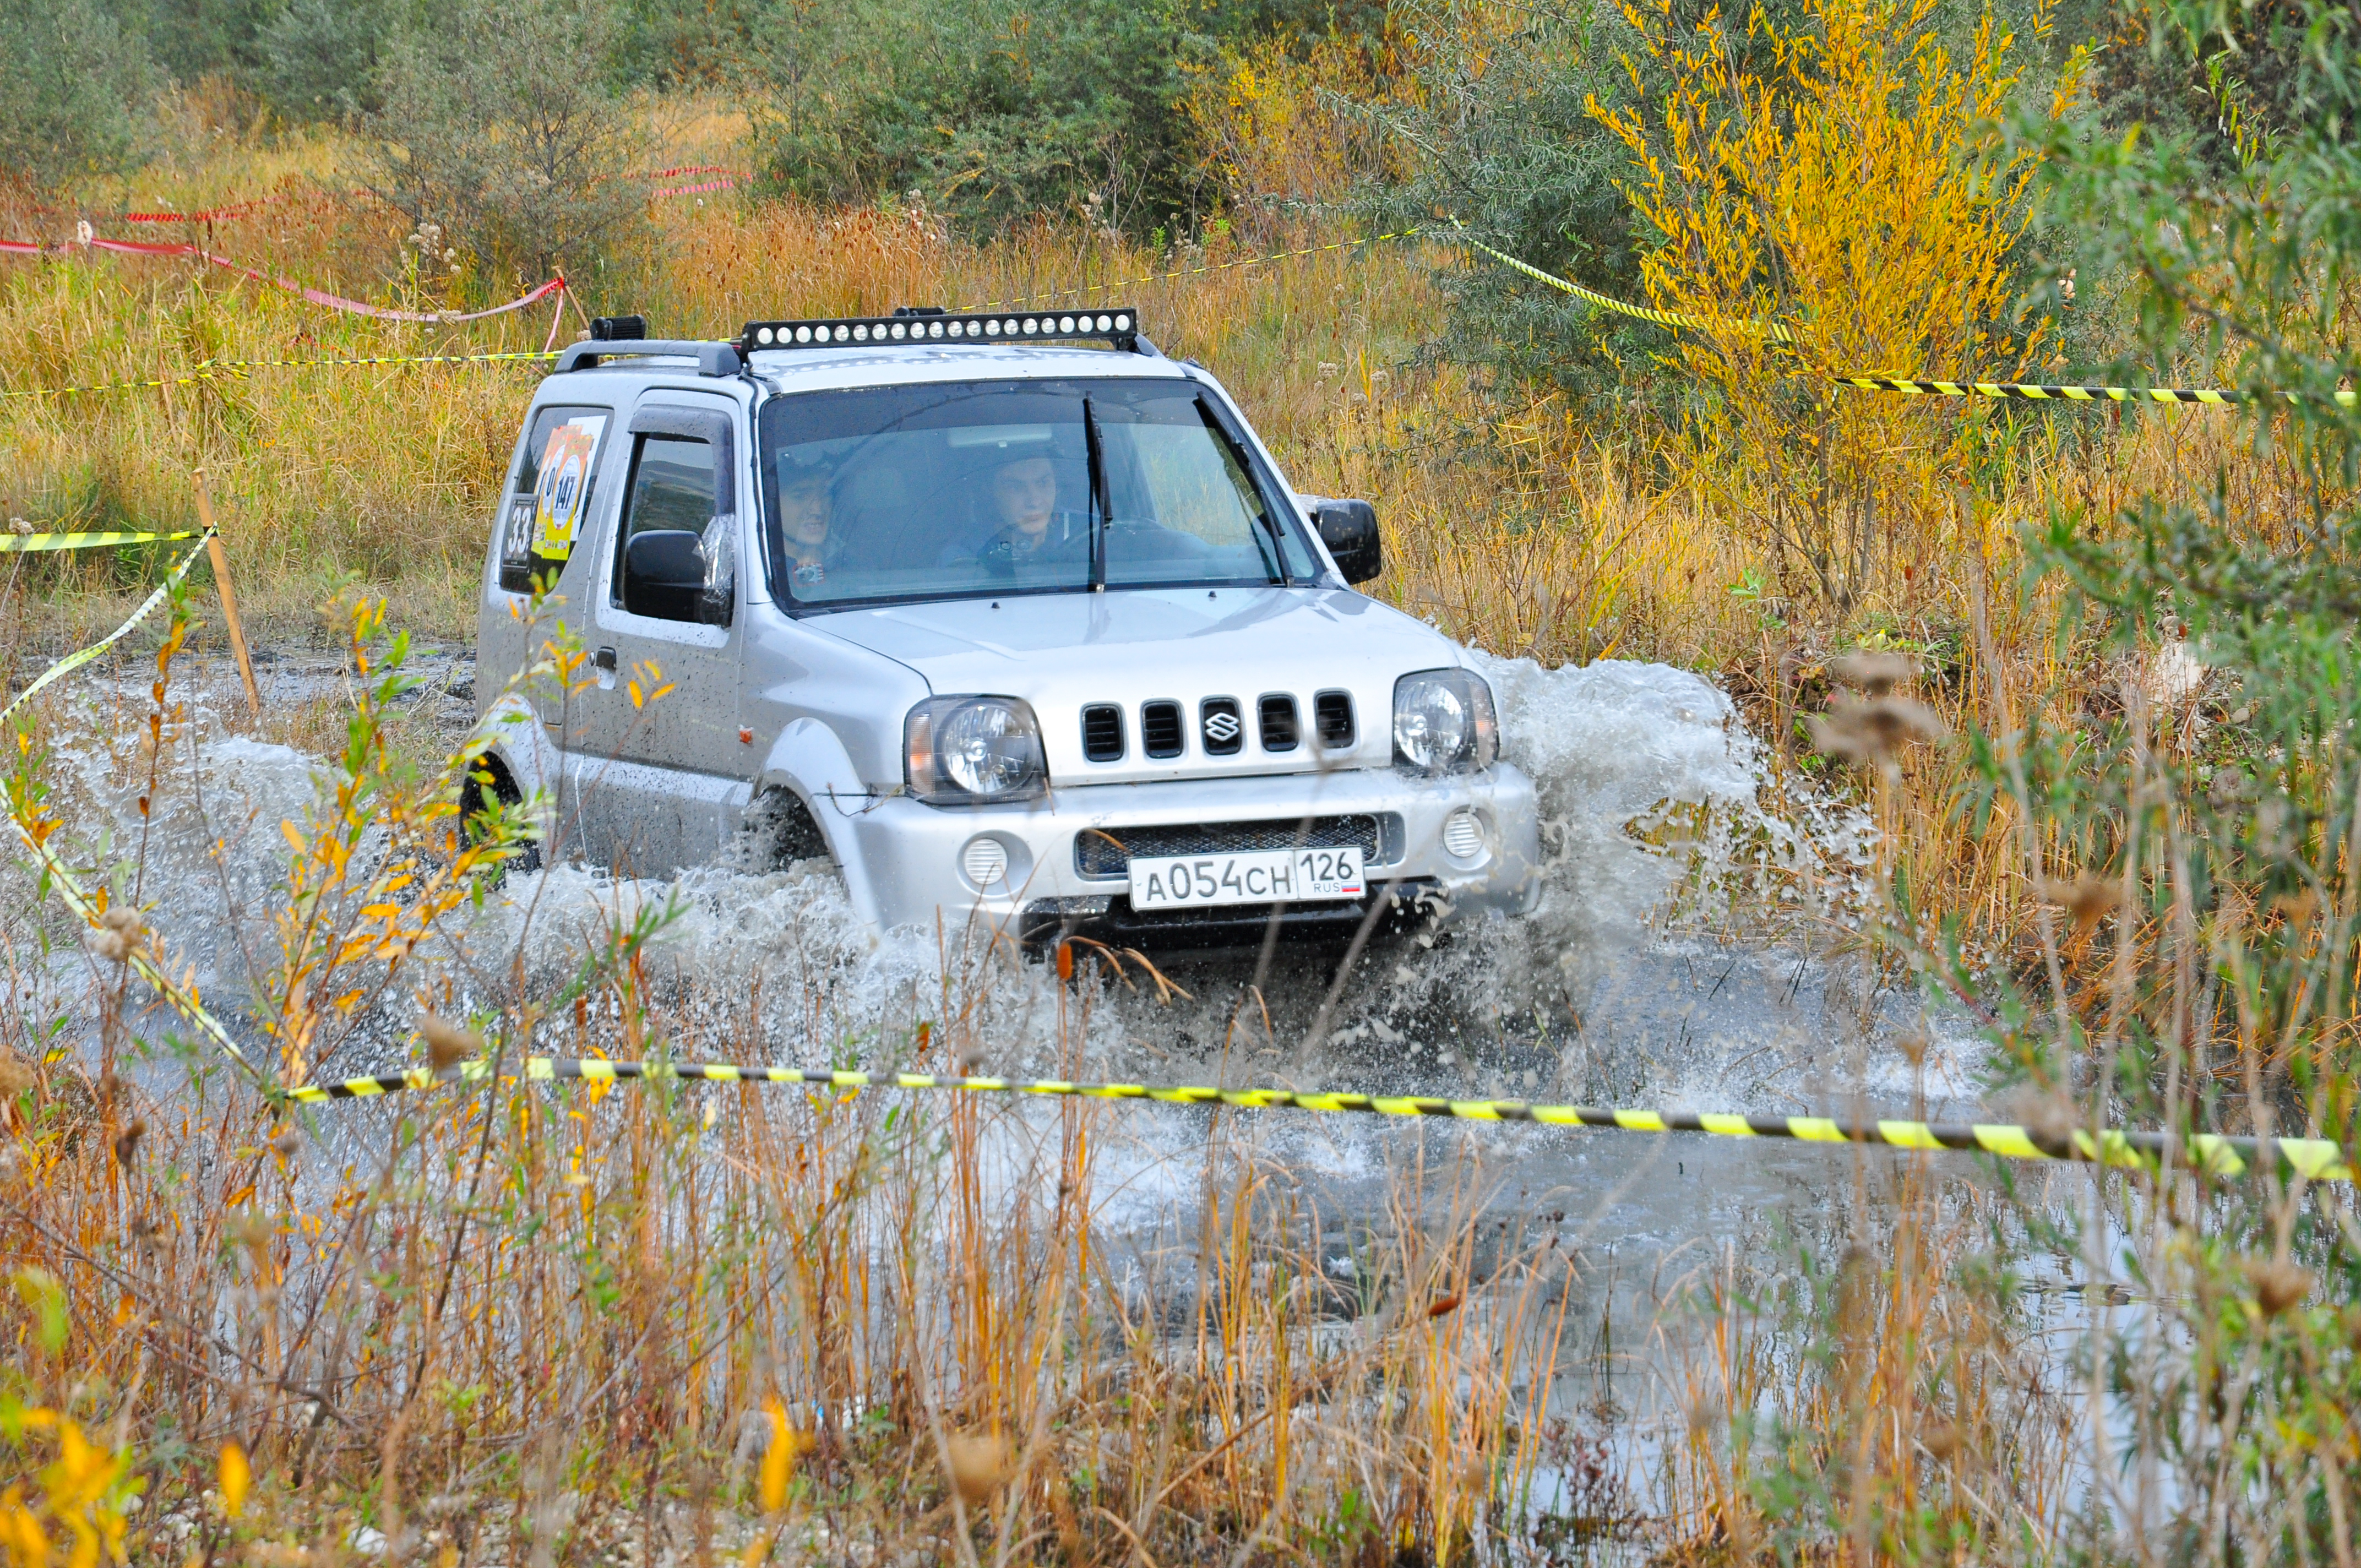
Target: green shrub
point(74, 87)
point(990, 110)
point(319, 58)
point(500, 124)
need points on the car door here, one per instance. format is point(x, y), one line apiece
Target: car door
point(659, 766)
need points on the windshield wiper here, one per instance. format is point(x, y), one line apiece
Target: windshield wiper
point(1101, 509)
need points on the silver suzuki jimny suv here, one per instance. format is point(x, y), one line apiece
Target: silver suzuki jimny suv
point(1011, 615)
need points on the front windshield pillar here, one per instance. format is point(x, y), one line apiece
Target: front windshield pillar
point(1099, 509)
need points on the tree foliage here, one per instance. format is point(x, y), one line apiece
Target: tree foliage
point(995, 112)
point(1836, 193)
point(1498, 118)
point(498, 125)
point(74, 89)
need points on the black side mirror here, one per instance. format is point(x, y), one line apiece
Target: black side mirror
point(664, 574)
point(1349, 529)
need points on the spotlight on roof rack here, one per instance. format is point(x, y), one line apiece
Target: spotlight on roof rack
point(1114, 325)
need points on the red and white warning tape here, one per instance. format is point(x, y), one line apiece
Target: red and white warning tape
point(89, 241)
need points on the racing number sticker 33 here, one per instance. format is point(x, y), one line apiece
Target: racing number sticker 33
point(564, 485)
point(1268, 877)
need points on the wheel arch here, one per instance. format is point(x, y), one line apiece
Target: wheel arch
point(810, 762)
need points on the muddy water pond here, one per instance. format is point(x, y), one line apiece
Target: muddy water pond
point(1693, 951)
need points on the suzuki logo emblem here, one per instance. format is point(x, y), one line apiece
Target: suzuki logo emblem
point(1222, 727)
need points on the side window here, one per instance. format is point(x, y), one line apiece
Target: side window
point(556, 470)
point(671, 492)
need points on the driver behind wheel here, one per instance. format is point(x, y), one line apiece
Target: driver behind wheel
point(1023, 522)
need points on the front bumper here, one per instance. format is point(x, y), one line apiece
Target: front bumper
point(911, 855)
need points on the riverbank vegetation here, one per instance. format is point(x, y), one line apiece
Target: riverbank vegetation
point(2090, 669)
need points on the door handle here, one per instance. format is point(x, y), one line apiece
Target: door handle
point(603, 660)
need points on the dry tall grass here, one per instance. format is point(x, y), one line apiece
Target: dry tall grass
point(520, 1325)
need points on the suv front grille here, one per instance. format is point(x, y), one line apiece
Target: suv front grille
point(1107, 853)
point(1103, 732)
point(1280, 731)
point(1331, 716)
point(1225, 731)
point(1160, 729)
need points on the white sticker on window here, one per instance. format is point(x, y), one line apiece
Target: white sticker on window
point(564, 485)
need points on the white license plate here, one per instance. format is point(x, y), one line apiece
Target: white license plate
point(1268, 876)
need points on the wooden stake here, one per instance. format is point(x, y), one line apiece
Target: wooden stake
point(220, 559)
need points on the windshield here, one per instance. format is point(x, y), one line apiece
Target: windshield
point(937, 492)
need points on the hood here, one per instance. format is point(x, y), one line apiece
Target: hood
point(1064, 652)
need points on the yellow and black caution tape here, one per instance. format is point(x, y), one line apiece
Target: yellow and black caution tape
point(30, 543)
point(182, 996)
point(2043, 392)
point(1770, 330)
point(237, 369)
point(2317, 1159)
point(80, 656)
point(2030, 390)
point(1196, 271)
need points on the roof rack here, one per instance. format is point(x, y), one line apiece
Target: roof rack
point(1114, 325)
point(712, 358)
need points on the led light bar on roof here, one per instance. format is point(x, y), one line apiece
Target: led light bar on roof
point(1118, 325)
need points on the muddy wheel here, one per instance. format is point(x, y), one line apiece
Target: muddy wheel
point(777, 832)
point(486, 788)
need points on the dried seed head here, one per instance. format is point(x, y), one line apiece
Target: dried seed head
point(2299, 906)
point(979, 1467)
point(1875, 674)
point(1866, 731)
point(15, 1075)
point(285, 1145)
point(251, 1230)
point(2087, 896)
point(971, 1060)
point(447, 1044)
point(124, 918)
point(1939, 1438)
point(112, 945)
point(19, 526)
point(2278, 1285)
point(126, 1143)
point(1914, 1043)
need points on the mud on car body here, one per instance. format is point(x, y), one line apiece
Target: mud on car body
point(1011, 615)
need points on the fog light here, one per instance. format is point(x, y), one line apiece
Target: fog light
point(985, 861)
point(1463, 836)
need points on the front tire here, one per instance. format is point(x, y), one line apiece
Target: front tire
point(488, 788)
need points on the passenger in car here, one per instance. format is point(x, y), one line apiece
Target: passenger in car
point(1023, 524)
point(806, 511)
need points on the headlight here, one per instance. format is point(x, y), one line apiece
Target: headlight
point(1444, 723)
point(966, 750)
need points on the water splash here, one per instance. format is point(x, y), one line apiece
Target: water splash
point(1655, 801)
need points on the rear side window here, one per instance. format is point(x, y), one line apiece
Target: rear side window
point(549, 496)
